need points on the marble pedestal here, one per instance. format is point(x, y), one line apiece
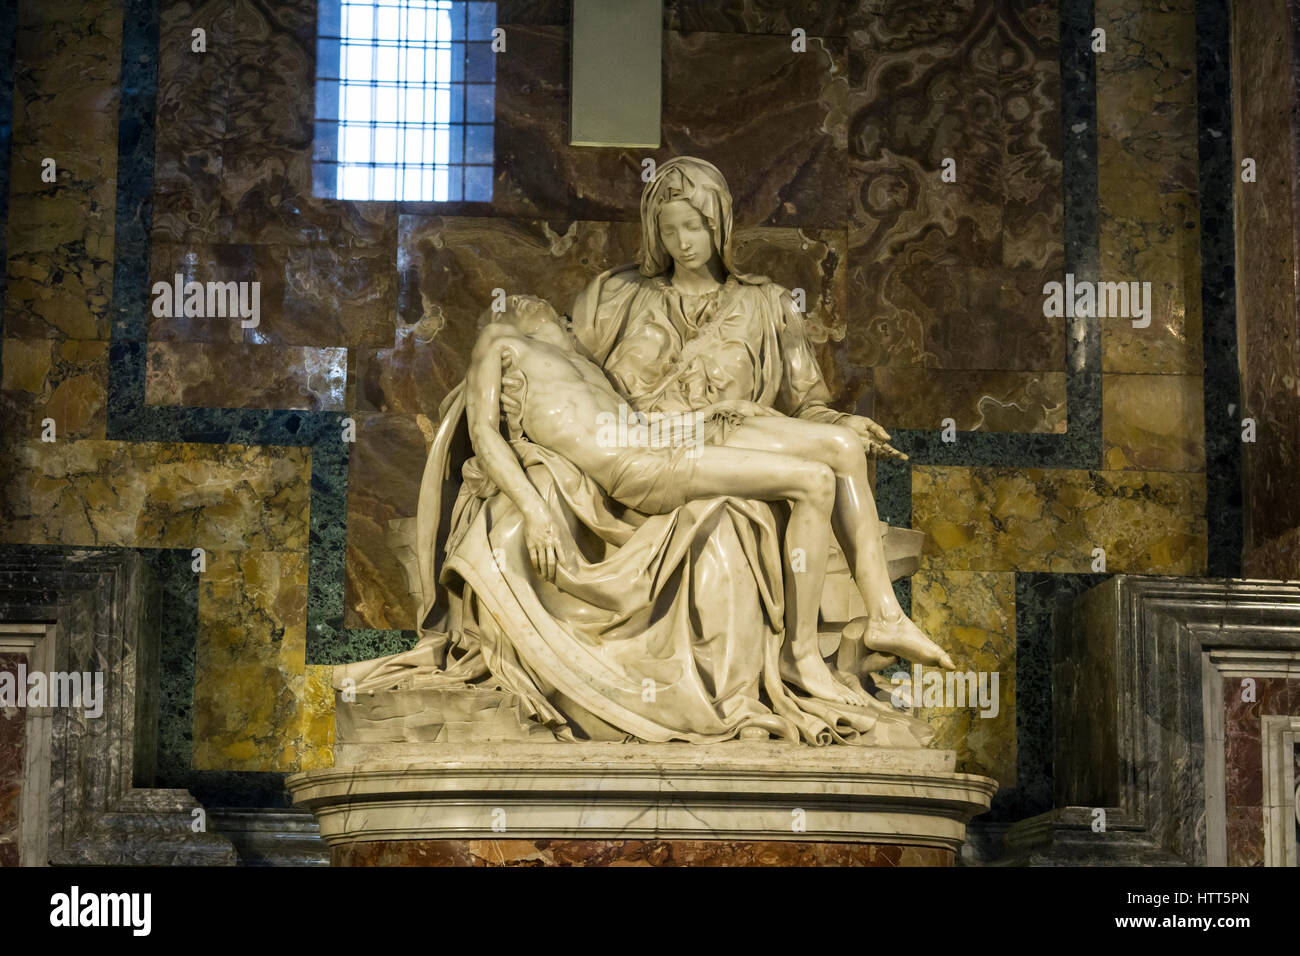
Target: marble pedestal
point(738, 803)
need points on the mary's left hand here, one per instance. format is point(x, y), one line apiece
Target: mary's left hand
point(874, 438)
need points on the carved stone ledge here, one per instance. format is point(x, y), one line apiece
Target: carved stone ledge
point(596, 791)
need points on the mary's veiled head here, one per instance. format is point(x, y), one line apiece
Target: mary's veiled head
point(697, 183)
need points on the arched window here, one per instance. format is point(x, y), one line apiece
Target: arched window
point(405, 100)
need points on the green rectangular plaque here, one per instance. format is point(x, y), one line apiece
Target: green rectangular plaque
point(616, 73)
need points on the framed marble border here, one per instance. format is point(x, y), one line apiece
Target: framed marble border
point(96, 610)
point(1219, 665)
point(36, 643)
point(1278, 736)
point(1139, 715)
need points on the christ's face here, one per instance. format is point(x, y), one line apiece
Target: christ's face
point(686, 235)
point(529, 314)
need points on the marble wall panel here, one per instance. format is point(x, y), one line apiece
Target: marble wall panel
point(1161, 246)
point(948, 275)
point(269, 376)
point(316, 747)
point(1279, 558)
point(1153, 422)
point(60, 234)
point(974, 400)
point(1037, 519)
point(13, 751)
point(158, 495)
point(337, 297)
point(307, 295)
point(814, 17)
point(979, 318)
point(1147, 154)
point(1266, 121)
point(63, 380)
point(1243, 761)
point(923, 86)
point(972, 614)
point(785, 162)
point(536, 12)
point(1029, 88)
point(384, 472)
point(413, 377)
point(714, 853)
point(220, 262)
point(250, 661)
point(190, 122)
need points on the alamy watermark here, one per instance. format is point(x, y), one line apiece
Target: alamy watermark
point(938, 689)
point(178, 298)
point(64, 689)
point(634, 429)
point(75, 909)
point(1086, 299)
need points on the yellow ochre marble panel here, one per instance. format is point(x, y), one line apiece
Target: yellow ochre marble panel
point(253, 696)
point(1161, 247)
point(60, 235)
point(1037, 519)
point(317, 747)
point(972, 614)
point(157, 495)
point(1147, 181)
point(66, 381)
point(1153, 422)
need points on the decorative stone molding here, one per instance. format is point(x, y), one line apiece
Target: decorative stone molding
point(1278, 739)
point(96, 611)
point(593, 791)
point(1139, 713)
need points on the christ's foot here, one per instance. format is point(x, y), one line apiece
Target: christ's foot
point(898, 635)
point(809, 673)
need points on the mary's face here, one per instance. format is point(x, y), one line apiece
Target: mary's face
point(685, 235)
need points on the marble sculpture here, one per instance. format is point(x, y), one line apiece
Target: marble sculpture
point(625, 517)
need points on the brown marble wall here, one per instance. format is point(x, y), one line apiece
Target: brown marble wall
point(13, 749)
point(1243, 761)
point(1266, 60)
point(633, 853)
point(842, 142)
point(948, 275)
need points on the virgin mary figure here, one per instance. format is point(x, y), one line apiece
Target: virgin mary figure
point(656, 627)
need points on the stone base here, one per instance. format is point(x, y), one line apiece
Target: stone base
point(736, 803)
point(634, 853)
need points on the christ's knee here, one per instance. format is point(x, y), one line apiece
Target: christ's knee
point(845, 453)
point(815, 486)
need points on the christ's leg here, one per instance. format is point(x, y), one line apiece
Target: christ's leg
point(857, 528)
point(809, 486)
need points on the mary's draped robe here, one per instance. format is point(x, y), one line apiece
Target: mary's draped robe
point(661, 627)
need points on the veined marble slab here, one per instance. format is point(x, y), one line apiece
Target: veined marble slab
point(730, 791)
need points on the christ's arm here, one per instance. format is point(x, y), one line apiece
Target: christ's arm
point(483, 409)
